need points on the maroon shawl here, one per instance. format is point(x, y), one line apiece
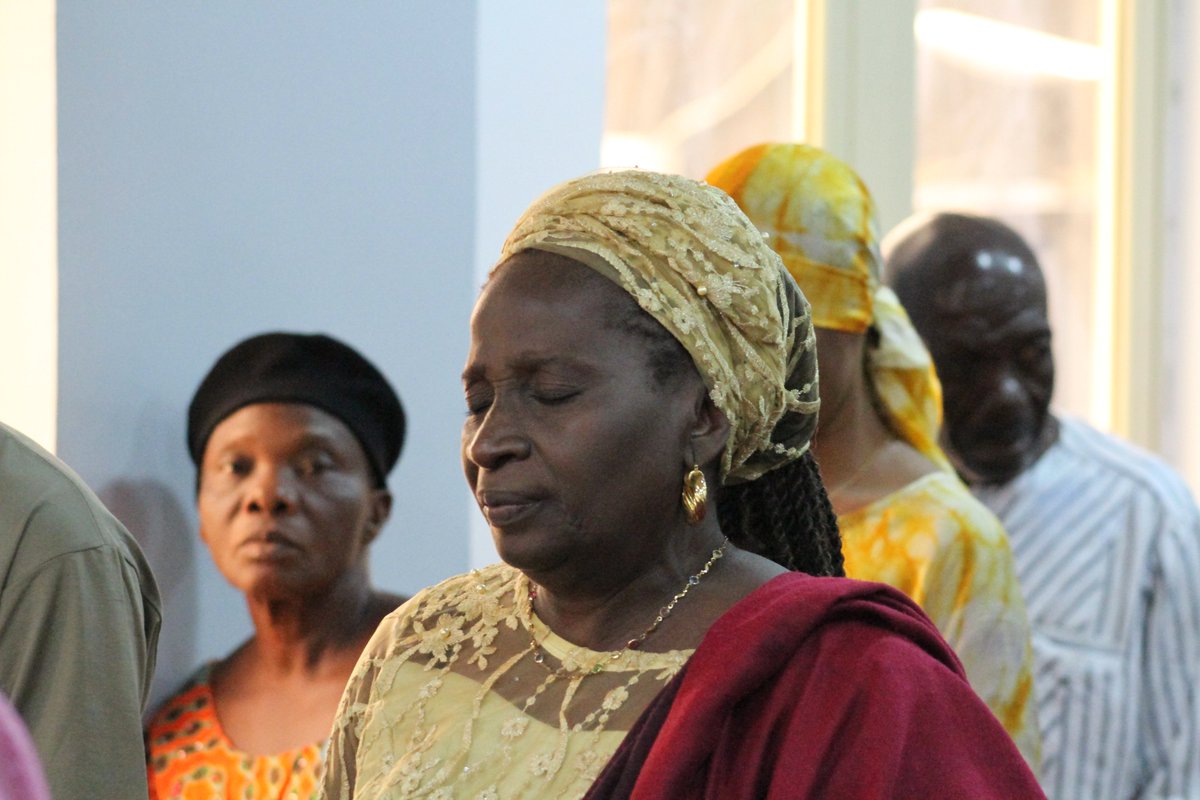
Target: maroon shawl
point(819, 688)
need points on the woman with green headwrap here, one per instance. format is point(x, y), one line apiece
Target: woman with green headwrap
point(638, 356)
point(905, 518)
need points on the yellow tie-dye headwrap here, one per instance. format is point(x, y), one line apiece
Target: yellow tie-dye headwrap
point(820, 218)
point(694, 262)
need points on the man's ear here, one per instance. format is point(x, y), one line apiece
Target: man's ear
point(381, 509)
point(710, 430)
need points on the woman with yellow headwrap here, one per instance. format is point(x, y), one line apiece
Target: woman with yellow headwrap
point(638, 344)
point(905, 518)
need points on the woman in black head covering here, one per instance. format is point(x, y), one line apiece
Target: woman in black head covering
point(293, 436)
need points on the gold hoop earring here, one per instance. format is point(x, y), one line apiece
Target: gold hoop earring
point(695, 495)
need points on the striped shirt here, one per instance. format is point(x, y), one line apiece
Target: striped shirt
point(1106, 541)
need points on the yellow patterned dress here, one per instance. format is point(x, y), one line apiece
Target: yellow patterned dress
point(545, 715)
point(933, 541)
point(191, 758)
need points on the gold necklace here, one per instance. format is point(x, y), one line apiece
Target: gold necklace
point(539, 655)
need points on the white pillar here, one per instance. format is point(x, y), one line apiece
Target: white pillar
point(28, 220)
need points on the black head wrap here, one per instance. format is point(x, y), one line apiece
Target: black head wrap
point(313, 369)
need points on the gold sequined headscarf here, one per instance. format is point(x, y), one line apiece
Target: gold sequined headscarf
point(694, 262)
point(819, 217)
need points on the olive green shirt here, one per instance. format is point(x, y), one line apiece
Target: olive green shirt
point(79, 620)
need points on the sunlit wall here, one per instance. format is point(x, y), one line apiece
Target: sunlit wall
point(28, 220)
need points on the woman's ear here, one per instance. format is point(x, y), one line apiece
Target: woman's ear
point(710, 430)
point(381, 509)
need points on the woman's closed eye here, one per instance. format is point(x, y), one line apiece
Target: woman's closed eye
point(554, 397)
point(478, 402)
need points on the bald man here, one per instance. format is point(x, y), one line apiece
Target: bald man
point(1106, 537)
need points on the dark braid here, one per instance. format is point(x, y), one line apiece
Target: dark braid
point(786, 516)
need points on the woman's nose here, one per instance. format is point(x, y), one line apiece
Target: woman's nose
point(495, 439)
point(272, 491)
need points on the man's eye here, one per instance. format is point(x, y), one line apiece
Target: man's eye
point(1034, 354)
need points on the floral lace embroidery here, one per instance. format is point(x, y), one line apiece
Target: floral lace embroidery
point(447, 700)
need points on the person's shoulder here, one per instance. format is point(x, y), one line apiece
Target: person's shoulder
point(31, 477)
point(942, 503)
point(193, 697)
point(868, 623)
point(880, 652)
point(465, 589)
point(57, 513)
point(1125, 463)
point(185, 724)
point(480, 593)
point(795, 604)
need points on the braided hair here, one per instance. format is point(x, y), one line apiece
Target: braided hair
point(785, 515)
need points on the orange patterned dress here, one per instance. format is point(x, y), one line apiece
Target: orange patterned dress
point(191, 758)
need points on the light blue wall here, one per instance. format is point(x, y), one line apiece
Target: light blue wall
point(230, 167)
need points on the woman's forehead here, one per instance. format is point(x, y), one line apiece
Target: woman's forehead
point(550, 285)
point(533, 319)
point(538, 272)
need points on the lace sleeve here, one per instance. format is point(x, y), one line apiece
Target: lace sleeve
point(341, 759)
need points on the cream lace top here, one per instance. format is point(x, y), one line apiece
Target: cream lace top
point(464, 693)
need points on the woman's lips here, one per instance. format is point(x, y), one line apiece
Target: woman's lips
point(505, 508)
point(268, 547)
point(268, 551)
